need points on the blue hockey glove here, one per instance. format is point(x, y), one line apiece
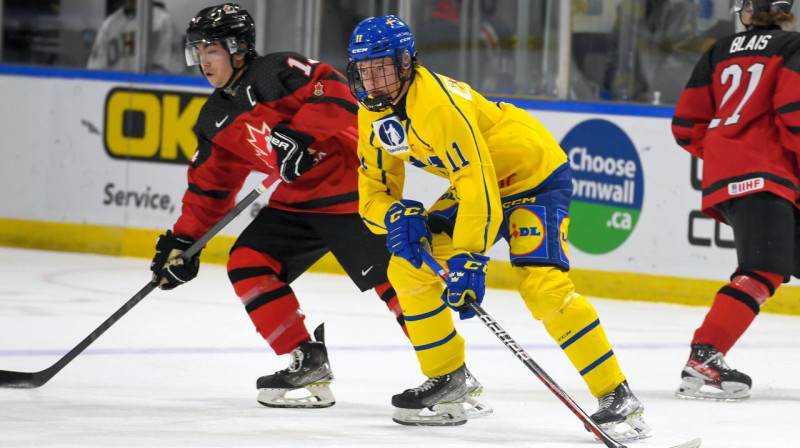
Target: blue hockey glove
point(407, 225)
point(466, 281)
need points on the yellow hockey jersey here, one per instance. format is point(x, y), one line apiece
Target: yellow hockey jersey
point(487, 150)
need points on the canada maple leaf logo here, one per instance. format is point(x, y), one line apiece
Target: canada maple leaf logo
point(259, 138)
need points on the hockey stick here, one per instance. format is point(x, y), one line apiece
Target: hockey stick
point(30, 380)
point(526, 359)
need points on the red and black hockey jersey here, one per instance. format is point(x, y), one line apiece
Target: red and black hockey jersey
point(232, 133)
point(740, 114)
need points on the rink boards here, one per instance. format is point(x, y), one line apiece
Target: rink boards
point(98, 162)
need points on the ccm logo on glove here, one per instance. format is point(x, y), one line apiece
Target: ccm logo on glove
point(407, 227)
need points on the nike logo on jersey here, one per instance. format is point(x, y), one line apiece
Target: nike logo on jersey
point(366, 271)
point(220, 122)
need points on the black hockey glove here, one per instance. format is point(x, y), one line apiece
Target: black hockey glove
point(291, 147)
point(169, 269)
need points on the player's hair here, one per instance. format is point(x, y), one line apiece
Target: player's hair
point(773, 17)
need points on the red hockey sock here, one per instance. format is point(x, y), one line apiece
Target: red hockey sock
point(735, 307)
point(386, 292)
point(725, 322)
point(270, 303)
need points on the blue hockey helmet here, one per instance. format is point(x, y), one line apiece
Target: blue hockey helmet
point(377, 38)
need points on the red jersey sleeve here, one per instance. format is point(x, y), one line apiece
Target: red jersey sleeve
point(326, 105)
point(787, 99)
point(215, 177)
point(695, 108)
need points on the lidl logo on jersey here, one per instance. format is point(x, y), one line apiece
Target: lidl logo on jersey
point(527, 230)
point(151, 125)
point(391, 134)
point(563, 234)
point(607, 185)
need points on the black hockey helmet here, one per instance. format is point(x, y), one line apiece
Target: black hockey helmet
point(229, 24)
point(764, 5)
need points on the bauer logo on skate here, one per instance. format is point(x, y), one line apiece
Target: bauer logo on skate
point(607, 185)
point(527, 230)
point(151, 125)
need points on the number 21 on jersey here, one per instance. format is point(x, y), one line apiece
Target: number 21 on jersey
point(734, 74)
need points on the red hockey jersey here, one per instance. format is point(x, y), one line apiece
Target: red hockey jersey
point(740, 114)
point(232, 134)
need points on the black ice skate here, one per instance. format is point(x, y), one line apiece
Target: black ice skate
point(310, 372)
point(620, 415)
point(706, 376)
point(439, 401)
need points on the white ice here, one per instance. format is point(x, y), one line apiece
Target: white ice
point(179, 369)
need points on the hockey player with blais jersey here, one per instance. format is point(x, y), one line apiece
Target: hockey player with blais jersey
point(506, 173)
point(740, 114)
point(302, 110)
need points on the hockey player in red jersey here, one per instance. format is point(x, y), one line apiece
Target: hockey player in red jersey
point(740, 114)
point(301, 109)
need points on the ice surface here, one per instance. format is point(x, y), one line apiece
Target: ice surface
point(179, 369)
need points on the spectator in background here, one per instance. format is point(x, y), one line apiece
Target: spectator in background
point(440, 37)
point(592, 45)
point(115, 45)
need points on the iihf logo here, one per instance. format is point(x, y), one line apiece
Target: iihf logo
point(745, 186)
point(391, 134)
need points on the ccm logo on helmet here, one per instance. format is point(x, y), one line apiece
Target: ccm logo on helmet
point(359, 50)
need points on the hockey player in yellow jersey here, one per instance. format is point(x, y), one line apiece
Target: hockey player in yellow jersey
point(509, 179)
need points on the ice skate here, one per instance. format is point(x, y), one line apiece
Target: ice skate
point(439, 401)
point(306, 380)
point(620, 415)
point(706, 376)
point(474, 407)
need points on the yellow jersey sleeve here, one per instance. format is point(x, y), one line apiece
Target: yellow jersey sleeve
point(457, 141)
point(380, 178)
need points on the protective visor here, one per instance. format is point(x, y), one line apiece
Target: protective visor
point(203, 50)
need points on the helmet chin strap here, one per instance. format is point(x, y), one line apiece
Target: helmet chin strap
point(232, 85)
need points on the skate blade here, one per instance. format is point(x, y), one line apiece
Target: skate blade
point(444, 414)
point(475, 408)
point(631, 429)
point(315, 395)
point(697, 389)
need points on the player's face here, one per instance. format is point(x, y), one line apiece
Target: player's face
point(379, 77)
point(746, 13)
point(215, 62)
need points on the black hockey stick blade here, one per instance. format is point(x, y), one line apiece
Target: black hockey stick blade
point(32, 380)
